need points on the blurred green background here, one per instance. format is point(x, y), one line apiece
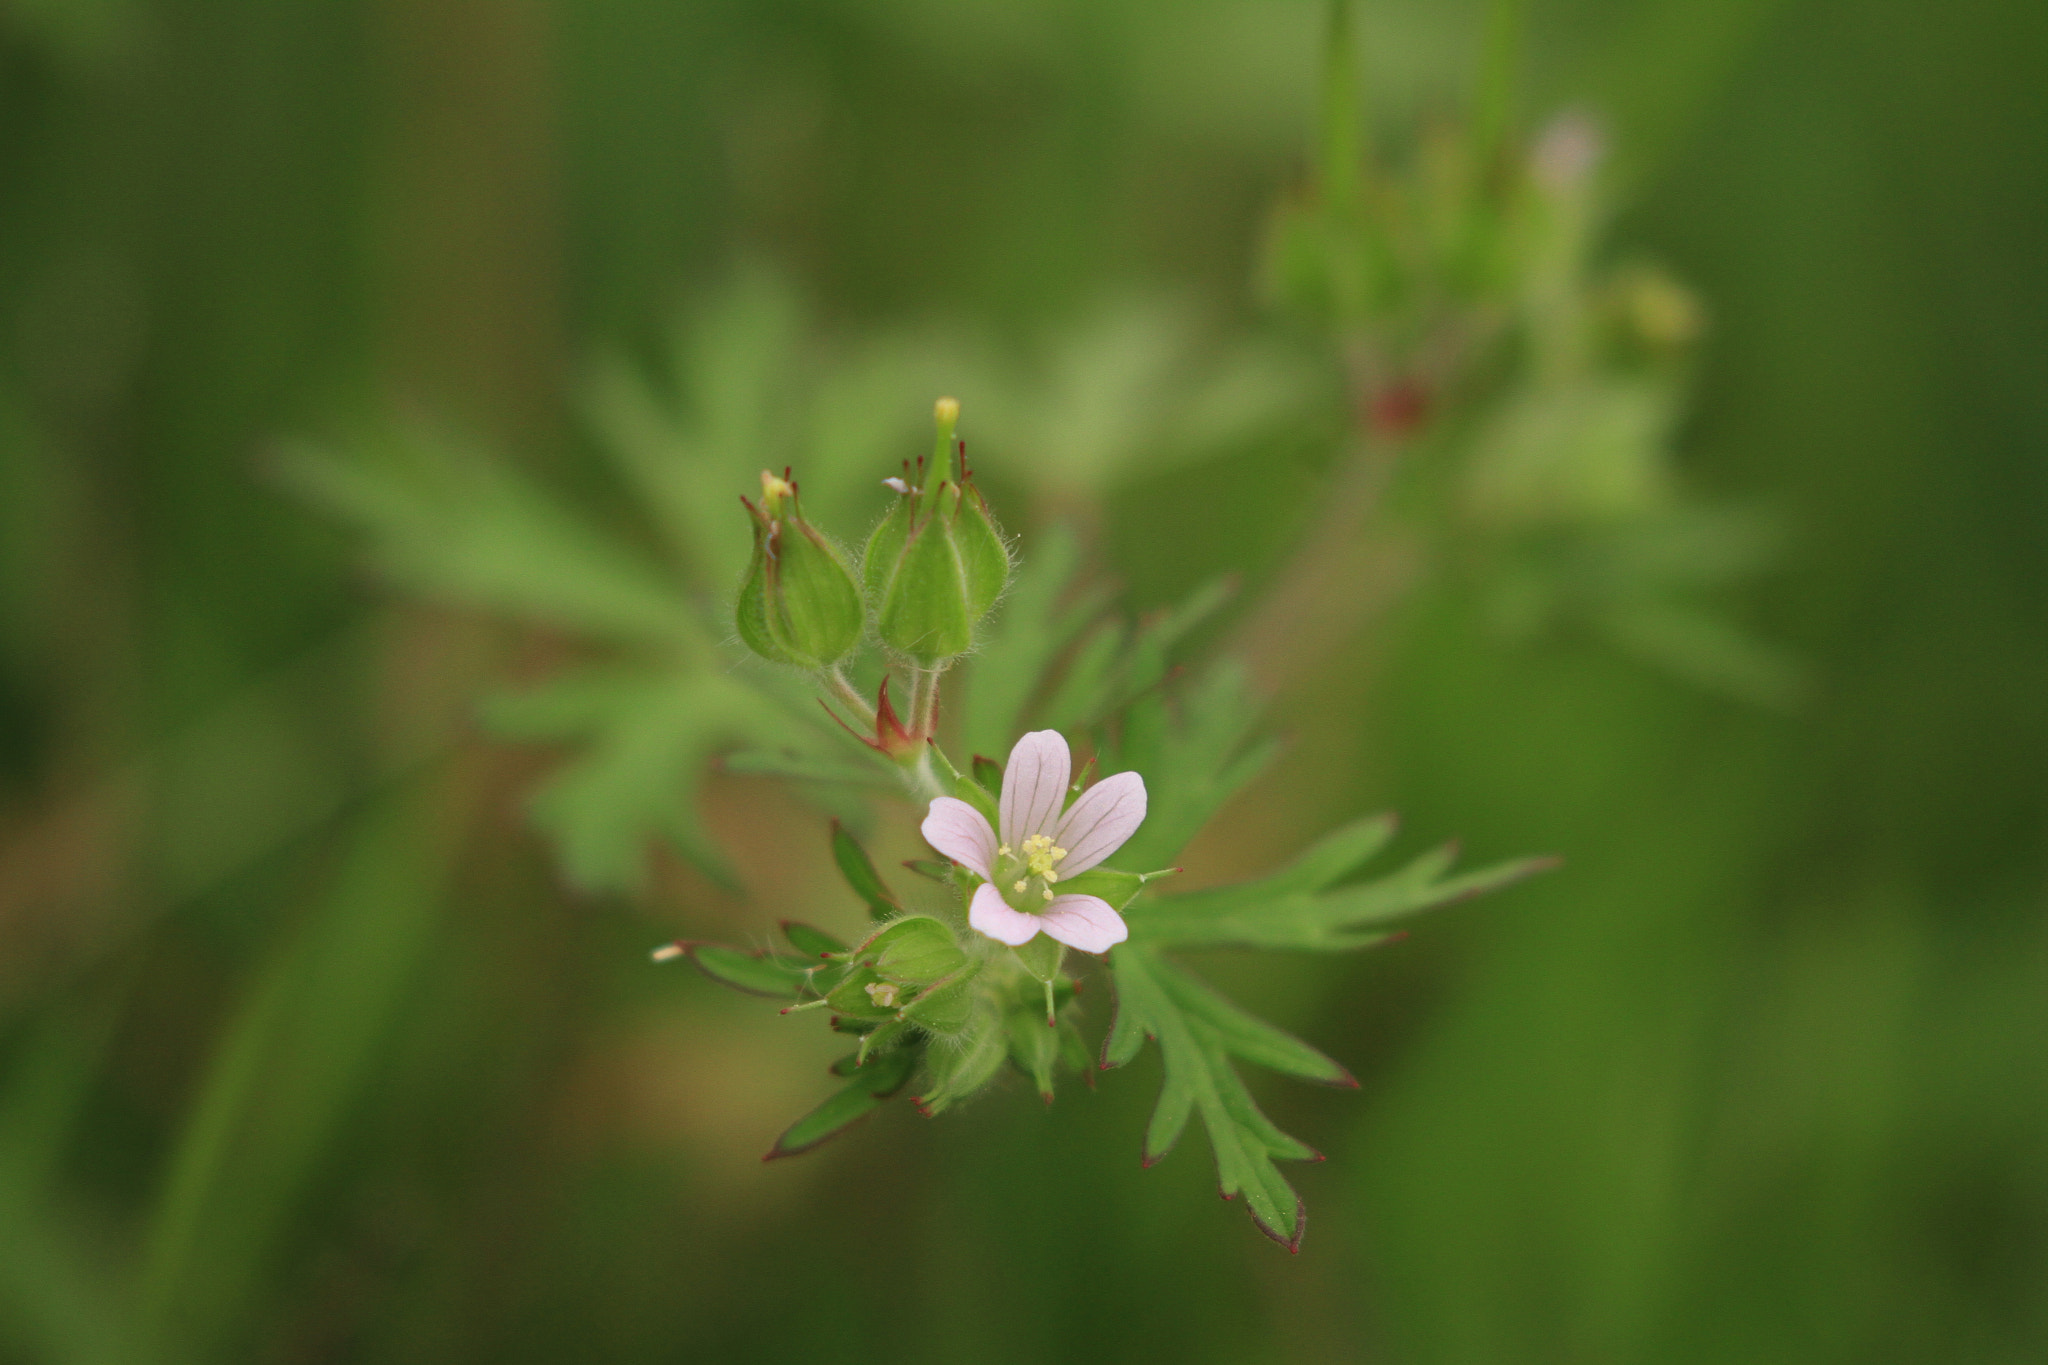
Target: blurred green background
point(306, 1054)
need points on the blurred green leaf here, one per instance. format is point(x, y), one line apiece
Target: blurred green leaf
point(859, 871)
point(647, 736)
point(455, 526)
point(760, 973)
point(1195, 753)
point(869, 1086)
point(1299, 908)
point(809, 941)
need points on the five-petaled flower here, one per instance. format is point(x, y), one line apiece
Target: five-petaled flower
point(1043, 841)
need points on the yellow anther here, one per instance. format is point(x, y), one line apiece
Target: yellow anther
point(1048, 893)
point(1003, 851)
point(1019, 885)
point(1050, 876)
point(883, 993)
point(774, 490)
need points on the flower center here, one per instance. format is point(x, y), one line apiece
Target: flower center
point(1035, 861)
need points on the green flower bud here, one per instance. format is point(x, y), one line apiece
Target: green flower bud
point(936, 565)
point(799, 603)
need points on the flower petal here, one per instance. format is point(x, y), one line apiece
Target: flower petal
point(1084, 922)
point(1097, 825)
point(990, 914)
point(1035, 786)
point(961, 832)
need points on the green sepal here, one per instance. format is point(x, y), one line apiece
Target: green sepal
point(862, 1095)
point(918, 949)
point(859, 871)
point(977, 796)
point(1118, 888)
point(924, 612)
point(1041, 957)
point(763, 973)
point(850, 997)
point(930, 867)
point(750, 609)
point(799, 602)
point(988, 774)
point(814, 602)
point(885, 549)
point(984, 558)
point(888, 1037)
point(1034, 1047)
point(945, 1007)
point(956, 1069)
point(809, 941)
point(1074, 1050)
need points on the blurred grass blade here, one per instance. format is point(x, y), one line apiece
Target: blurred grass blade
point(60, 1296)
point(297, 1056)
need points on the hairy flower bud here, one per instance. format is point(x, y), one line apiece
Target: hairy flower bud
point(799, 603)
point(936, 565)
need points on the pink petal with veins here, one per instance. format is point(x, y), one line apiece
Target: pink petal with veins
point(1035, 786)
point(1097, 825)
point(961, 832)
point(1084, 922)
point(990, 914)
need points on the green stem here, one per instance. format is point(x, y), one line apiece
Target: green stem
point(1499, 79)
point(1339, 157)
point(923, 779)
point(849, 695)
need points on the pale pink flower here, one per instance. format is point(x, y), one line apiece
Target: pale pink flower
point(1043, 841)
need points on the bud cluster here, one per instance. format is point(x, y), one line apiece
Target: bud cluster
point(930, 574)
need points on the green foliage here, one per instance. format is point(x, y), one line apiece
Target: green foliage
point(644, 734)
point(1304, 907)
point(1198, 1078)
point(861, 1096)
point(859, 871)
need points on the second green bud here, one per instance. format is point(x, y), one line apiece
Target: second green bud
point(936, 565)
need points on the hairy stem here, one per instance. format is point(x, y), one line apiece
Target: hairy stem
point(849, 695)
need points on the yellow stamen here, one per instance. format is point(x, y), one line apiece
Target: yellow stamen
point(1019, 885)
point(883, 993)
point(1048, 893)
